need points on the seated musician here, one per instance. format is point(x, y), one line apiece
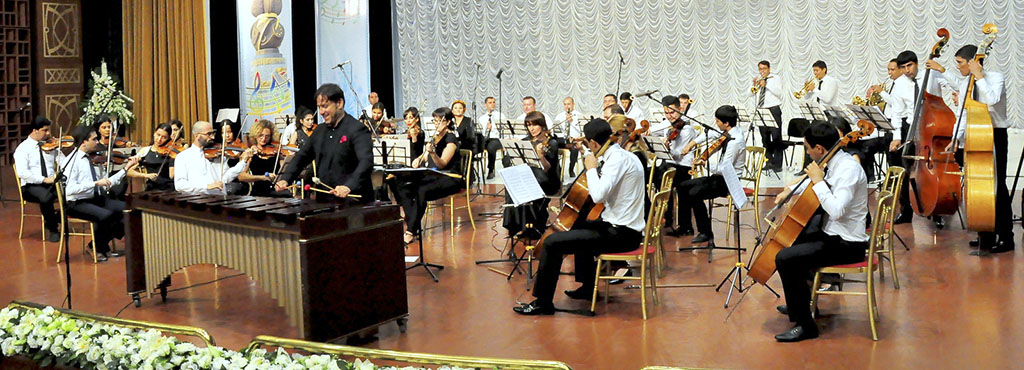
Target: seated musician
point(464, 126)
point(843, 193)
point(86, 189)
point(619, 184)
point(260, 171)
point(36, 173)
point(341, 148)
point(572, 126)
point(442, 154)
point(177, 132)
point(105, 126)
point(195, 174)
point(155, 161)
point(378, 122)
point(297, 133)
point(733, 153)
point(490, 126)
point(680, 135)
point(415, 132)
point(535, 213)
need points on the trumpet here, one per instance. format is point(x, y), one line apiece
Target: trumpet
point(799, 94)
point(875, 99)
point(753, 89)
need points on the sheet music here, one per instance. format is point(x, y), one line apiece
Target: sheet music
point(872, 114)
point(739, 198)
point(520, 184)
point(520, 152)
point(656, 145)
point(742, 115)
point(230, 114)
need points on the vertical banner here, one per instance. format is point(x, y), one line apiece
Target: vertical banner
point(343, 38)
point(265, 62)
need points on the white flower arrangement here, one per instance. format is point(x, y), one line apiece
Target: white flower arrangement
point(48, 337)
point(104, 97)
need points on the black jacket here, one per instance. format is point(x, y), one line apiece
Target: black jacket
point(343, 154)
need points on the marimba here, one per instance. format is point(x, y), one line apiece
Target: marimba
point(336, 268)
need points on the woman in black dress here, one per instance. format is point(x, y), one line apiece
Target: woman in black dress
point(305, 123)
point(464, 126)
point(548, 176)
point(442, 154)
point(261, 171)
point(156, 168)
point(415, 132)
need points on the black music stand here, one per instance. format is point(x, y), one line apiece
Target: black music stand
point(428, 173)
point(811, 111)
point(761, 118)
point(512, 128)
point(743, 116)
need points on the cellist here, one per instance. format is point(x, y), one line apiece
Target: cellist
point(988, 89)
point(843, 193)
point(619, 184)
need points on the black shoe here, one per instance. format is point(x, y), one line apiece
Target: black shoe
point(939, 222)
point(53, 236)
point(680, 232)
point(782, 309)
point(798, 333)
point(534, 308)
point(1001, 247)
point(627, 272)
point(904, 217)
point(100, 257)
point(581, 293)
point(974, 243)
point(702, 238)
point(114, 253)
point(490, 175)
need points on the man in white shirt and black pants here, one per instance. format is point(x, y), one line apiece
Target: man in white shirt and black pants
point(680, 161)
point(769, 95)
point(696, 191)
point(36, 173)
point(195, 174)
point(989, 89)
point(878, 141)
point(826, 93)
point(490, 126)
point(619, 184)
point(572, 126)
point(86, 189)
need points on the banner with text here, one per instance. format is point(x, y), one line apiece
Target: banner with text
point(343, 49)
point(265, 61)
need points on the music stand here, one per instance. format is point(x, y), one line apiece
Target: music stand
point(743, 116)
point(512, 128)
point(520, 152)
point(761, 118)
point(429, 174)
point(811, 111)
point(836, 111)
point(391, 150)
point(871, 114)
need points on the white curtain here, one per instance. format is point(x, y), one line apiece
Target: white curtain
point(551, 49)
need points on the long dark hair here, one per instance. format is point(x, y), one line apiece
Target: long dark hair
point(167, 128)
point(446, 114)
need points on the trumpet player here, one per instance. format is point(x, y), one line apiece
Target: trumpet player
point(878, 141)
point(825, 91)
point(767, 91)
point(572, 126)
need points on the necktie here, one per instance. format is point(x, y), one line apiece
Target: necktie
point(917, 91)
point(42, 162)
point(760, 96)
point(92, 171)
point(819, 89)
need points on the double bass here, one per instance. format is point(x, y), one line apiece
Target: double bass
point(934, 179)
point(791, 215)
point(979, 173)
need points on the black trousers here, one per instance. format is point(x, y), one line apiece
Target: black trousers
point(771, 138)
point(106, 215)
point(45, 196)
point(1004, 209)
point(574, 155)
point(585, 242)
point(682, 175)
point(695, 192)
point(873, 146)
point(798, 262)
point(414, 195)
point(492, 146)
point(896, 159)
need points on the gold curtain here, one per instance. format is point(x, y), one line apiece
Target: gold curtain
point(165, 63)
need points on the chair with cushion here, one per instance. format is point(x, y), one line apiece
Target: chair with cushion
point(867, 267)
point(751, 176)
point(893, 182)
point(648, 247)
point(22, 203)
point(71, 222)
point(467, 174)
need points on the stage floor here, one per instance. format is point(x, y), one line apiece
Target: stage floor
point(953, 310)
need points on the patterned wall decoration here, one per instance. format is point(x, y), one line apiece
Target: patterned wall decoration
point(60, 30)
point(556, 48)
point(62, 75)
point(62, 108)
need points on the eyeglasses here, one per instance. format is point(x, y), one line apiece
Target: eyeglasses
point(208, 133)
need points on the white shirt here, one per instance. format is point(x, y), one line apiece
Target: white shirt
point(635, 112)
point(496, 118)
point(80, 180)
point(902, 99)
point(193, 172)
point(844, 197)
point(735, 151)
point(575, 125)
point(287, 134)
point(620, 186)
point(991, 91)
point(886, 92)
point(826, 93)
point(547, 118)
point(675, 147)
point(772, 93)
point(26, 158)
point(369, 112)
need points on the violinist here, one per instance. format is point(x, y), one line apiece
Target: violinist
point(619, 184)
point(105, 127)
point(305, 123)
point(415, 132)
point(464, 126)
point(260, 171)
point(441, 153)
point(86, 184)
point(195, 174)
point(156, 162)
point(681, 134)
point(377, 121)
point(989, 89)
point(36, 173)
point(491, 126)
point(177, 132)
point(632, 110)
point(548, 176)
point(733, 153)
point(843, 193)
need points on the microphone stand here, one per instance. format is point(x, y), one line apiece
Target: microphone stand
point(618, 81)
point(348, 80)
point(60, 180)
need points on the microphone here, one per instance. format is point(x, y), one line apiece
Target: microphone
point(342, 64)
point(500, 71)
point(621, 59)
point(647, 93)
point(24, 107)
point(125, 97)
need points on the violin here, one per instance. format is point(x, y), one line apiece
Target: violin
point(673, 135)
point(51, 144)
point(119, 142)
point(100, 157)
point(542, 140)
point(711, 149)
point(232, 150)
point(309, 132)
point(170, 150)
point(271, 150)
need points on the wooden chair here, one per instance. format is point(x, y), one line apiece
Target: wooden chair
point(867, 267)
point(648, 248)
point(467, 174)
point(893, 181)
point(752, 175)
point(71, 221)
point(22, 203)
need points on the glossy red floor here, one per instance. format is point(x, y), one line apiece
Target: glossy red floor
point(953, 311)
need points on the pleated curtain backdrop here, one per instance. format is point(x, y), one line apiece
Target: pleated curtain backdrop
point(556, 48)
point(165, 63)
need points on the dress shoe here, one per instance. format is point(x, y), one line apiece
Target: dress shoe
point(53, 236)
point(974, 243)
point(940, 223)
point(798, 333)
point(581, 293)
point(114, 254)
point(490, 175)
point(904, 218)
point(100, 257)
point(702, 238)
point(535, 308)
point(1001, 247)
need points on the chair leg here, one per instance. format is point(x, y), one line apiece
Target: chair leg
point(92, 234)
point(814, 292)
point(451, 213)
point(892, 265)
point(757, 213)
point(654, 283)
point(728, 221)
point(469, 210)
point(881, 266)
point(597, 281)
point(607, 287)
point(643, 286)
point(21, 228)
point(872, 309)
point(42, 228)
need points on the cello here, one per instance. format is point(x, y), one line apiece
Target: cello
point(788, 219)
point(979, 174)
point(934, 182)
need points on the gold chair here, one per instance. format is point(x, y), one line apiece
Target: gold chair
point(752, 175)
point(866, 267)
point(22, 203)
point(563, 158)
point(71, 221)
point(647, 248)
point(467, 174)
point(667, 180)
point(893, 181)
